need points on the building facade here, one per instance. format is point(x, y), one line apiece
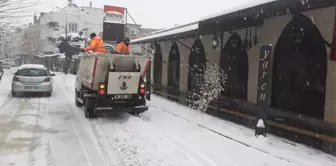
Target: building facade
point(299, 76)
point(135, 31)
point(76, 18)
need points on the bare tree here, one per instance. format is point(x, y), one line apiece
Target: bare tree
point(13, 11)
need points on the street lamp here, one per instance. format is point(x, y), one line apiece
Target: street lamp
point(86, 28)
point(66, 21)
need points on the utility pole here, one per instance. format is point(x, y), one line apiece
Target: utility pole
point(66, 22)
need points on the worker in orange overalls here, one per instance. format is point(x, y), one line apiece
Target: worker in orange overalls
point(123, 46)
point(96, 44)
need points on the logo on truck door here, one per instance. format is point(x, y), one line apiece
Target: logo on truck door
point(123, 86)
point(125, 77)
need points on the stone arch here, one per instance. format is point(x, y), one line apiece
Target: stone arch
point(234, 63)
point(174, 67)
point(300, 69)
point(157, 71)
point(197, 66)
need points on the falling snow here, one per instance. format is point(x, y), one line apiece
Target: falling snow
point(210, 88)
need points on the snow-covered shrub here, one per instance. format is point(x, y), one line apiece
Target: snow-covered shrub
point(209, 87)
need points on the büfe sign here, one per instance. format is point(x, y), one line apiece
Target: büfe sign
point(114, 14)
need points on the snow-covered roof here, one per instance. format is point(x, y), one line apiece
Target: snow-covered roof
point(168, 32)
point(62, 57)
point(72, 34)
point(35, 66)
point(231, 9)
point(49, 55)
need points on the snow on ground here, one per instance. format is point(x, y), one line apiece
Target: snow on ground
point(44, 131)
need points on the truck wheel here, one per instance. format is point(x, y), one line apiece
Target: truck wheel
point(89, 109)
point(78, 104)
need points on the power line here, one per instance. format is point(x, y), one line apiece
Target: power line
point(135, 23)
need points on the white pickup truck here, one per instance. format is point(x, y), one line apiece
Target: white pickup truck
point(114, 82)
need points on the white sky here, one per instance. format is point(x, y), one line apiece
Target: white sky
point(156, 13)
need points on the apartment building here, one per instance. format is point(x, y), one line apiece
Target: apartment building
point(54, 23)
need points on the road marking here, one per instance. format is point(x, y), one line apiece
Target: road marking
point(81, 143)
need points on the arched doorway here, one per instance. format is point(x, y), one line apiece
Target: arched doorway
point(174, 67)
point(157, 66)
point(300, 69)
point(234, 63)
point(197, 66)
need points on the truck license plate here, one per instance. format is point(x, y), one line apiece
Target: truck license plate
point(122, 96)
point(30, 87)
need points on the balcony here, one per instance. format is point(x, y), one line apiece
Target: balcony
point(53, 24)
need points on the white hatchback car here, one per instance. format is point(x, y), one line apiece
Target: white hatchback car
point(32, 78)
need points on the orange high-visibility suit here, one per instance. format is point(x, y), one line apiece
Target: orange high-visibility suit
point(96, 45)
point(122, 48)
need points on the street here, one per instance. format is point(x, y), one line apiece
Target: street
point(52, 131)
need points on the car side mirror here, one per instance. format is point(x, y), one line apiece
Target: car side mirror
point(53, 74)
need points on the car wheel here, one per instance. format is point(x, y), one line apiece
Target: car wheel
point(135, 113)
point(49, 94)
point(78, 104)
point(89, 109)
point(13, 94)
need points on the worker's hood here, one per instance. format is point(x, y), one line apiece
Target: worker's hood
point(97, 38)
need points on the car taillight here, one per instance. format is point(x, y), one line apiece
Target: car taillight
point(101, 88)
point(16, 79)
point(142, 86)
point(46, 80)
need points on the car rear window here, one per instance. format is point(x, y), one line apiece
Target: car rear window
point(32, 72)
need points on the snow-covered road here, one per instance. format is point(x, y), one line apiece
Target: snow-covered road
point(44, 131)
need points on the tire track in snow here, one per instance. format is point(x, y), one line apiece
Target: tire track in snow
point(185, 153)
point(36, 136)
point(220, 134)
point(196, 158)
point(9, 121)
point(31, 159)
point(97, 142)
point(7, 100)
point(87, 158)
point(16, 137)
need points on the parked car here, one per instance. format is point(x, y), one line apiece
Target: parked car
point(5, 65)
point(32, 78)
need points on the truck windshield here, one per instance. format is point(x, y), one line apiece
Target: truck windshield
point(32, 72)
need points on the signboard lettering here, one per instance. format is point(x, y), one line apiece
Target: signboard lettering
point(264, 76)
point(114, 14)
point(125, 77)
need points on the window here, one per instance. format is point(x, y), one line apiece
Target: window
point(32, 72)
point(72, 27)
